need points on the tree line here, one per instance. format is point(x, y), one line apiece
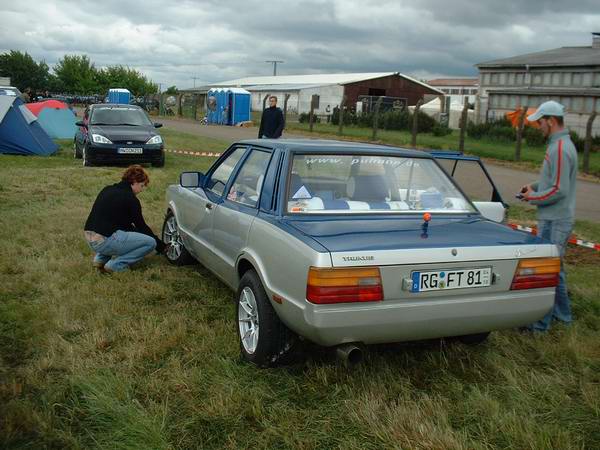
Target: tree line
point(73, 74)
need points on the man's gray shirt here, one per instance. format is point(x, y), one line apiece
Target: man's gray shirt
point(555, 191)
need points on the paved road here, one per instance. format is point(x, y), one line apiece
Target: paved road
point(508, 180)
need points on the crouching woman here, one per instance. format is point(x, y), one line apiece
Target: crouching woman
point(116, 229)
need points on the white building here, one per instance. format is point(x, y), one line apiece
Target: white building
point(457, 88)
point(330, 88)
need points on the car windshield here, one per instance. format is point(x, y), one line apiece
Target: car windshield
point(371, 183)
point(119, 116)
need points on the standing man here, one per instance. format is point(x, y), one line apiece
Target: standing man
point(271, 122)
point(554, 196)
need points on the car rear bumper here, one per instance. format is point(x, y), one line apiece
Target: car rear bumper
point(398, 321)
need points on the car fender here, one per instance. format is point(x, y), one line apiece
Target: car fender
point(256, 262)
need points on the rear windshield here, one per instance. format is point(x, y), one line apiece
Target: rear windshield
point(119, 116)
point(366, 183)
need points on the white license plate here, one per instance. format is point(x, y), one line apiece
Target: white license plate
point(451, 279)
point(135, 150)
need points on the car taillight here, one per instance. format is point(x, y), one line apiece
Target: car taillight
point(536, 273)
point(344, 285)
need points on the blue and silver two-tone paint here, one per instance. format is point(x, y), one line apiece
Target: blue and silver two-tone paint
point(347, 243)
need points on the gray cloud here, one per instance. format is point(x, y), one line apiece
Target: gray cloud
point(171, 42)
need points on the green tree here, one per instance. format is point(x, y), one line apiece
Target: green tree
point(23, 71)
point(77, 74)
point(172, 90)
point(127, 78)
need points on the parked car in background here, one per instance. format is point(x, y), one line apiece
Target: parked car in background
point(346, 244)
point(112, 133)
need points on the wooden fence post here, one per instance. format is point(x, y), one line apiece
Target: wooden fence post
point(311, 116)
point(415, 127)
point(285, 102)
point(265, 101)
point(376, 118)
point(341, 116)
point(520, 125)
point(179, 108)
point(587, 148)
point(463, 125)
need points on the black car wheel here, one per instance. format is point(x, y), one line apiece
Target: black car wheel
point(160, 162)
point(176, 253)
point(76, 153)
point(87, 162)
point(264, 339)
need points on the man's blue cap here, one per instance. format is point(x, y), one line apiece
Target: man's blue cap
point(550, 108)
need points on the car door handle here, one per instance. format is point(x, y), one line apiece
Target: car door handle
point(209, 206)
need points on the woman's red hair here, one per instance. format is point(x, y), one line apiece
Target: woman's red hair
point(135, 174)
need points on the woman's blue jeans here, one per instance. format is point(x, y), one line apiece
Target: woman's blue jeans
point(557, 232)
point(127, 247)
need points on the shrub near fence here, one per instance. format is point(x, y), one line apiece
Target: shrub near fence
point(391, 120)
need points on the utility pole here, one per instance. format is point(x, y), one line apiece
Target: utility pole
point(195, 78)
point(274, 62)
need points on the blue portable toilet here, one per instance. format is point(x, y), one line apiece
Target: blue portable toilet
point(212, 109)
point(20, 132)
point(122, 96)
point(239, 105)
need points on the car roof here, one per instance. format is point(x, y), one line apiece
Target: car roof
point(112, 105)
point(331, 146)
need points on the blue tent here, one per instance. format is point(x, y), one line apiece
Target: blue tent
point(20, 132)
point(58, 123)
point(228, 106)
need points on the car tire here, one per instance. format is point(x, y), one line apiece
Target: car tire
point(473, 339)
point(160, 162)
point(176, 252)
point(264, 340)
point(86, 157)
point(76, 154)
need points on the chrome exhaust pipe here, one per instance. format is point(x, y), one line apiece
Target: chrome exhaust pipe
point(349, 355)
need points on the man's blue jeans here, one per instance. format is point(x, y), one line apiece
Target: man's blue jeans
point(128, 247)
point(557, 232)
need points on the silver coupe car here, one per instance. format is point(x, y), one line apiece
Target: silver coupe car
point(346, 244)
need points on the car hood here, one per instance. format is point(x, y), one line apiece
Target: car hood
point(124, 132)
point(376, 233)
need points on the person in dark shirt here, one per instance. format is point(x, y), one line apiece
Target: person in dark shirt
point(271, 122)
point(116, 229)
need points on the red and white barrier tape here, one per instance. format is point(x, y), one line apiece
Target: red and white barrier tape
point(572, 240)
point(185, 152)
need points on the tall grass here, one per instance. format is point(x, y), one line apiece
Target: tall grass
point(149, 359)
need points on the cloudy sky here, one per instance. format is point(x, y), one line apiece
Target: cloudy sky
point(214, 40)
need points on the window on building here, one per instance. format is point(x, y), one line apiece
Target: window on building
point(567, 79)
point(512, 101)
point(520, 79)
point(503, 79)
point(588, 105)
point(454, 91)
point(587, 79)
point(566, 102)
point(577, 80)
point(485, 78)
point(596, 80)
point(537, 79)
point(473, 91)
point(577, 104)
point(495, 78)
point(556, 79)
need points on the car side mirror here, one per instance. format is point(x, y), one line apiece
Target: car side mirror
point(80, 123)
point(191, 179)
point(494, 211)
point(157, 125)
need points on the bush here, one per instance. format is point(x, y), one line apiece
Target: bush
point(441, 130)
point(533, 137)
point(305, 118)
point(499, 130)
point(349, 117)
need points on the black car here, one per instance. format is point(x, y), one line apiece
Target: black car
point(115, 133)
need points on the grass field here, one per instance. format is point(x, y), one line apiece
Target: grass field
point(531, 157)
point(149, 359)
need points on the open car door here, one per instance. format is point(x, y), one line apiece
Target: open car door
point(470, 174)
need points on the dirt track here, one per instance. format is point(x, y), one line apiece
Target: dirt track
point(508, 180)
